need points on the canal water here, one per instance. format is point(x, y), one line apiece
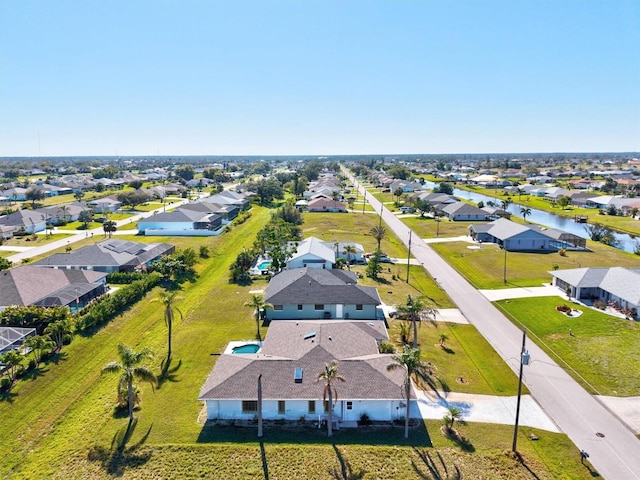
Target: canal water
point(551, 220)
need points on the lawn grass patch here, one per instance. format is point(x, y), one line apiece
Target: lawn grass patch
point(483, 266)
point(602, 354)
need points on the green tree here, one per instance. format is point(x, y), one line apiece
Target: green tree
point(374, 267)
point(525, 212)
point(329, 376)
point(78, 194)
point(109, 227)
point(5, 264)
point(131, 368)
point(564, 201)
point(398, 193)
point(415, 369)
point(85, 217)
point(34, 194)
point(258, 304)
point(11, 361)
point(378, 232)
point(349, 251)
point(240, 268)
point(454, 414)
point(415, 310)
point(186, 172)
point(39, 345)
point(59, 329)
point(168, 299)
point(444, 187)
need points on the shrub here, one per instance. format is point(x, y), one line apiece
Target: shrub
point(109, 306)
point(386, 347)
point(563, 308)
point(562, 252)
point(599, 304)
point(364, 419)
point(5, 384)
point(124, 277)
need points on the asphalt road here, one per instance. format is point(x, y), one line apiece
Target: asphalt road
point(613, 449)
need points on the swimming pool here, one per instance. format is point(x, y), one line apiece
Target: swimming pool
point(248, 348)
point(264, 265)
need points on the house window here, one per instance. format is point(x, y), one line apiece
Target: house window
point(312, 406)
point(319, 306)
point(326, 406)
point(359, 306)
point(349, 405)
point(249, 406)
point(281, 407)
point(277, 307)
point(299, 306)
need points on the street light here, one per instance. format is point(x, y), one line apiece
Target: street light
point(437, 219)
point(524, 360)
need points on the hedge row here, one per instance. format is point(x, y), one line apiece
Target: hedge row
point(109, 306)
point(124, 277)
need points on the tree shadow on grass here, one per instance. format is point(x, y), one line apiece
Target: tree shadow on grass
point(34, 373)
point(435, 470)
point(168, 373)
point(346, 470)
point(118, 458)
point(460, 440)
point(8, 396)
point(277, 433)
point(265, 465)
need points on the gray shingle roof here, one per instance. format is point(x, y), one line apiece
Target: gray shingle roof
point(26, 285)
point(235, 376)
point(315, 285)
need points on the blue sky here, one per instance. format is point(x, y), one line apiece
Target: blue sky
point(325, 77)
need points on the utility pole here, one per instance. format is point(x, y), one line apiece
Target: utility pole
point(524, 360)
point(409, 255)
point(364, 201)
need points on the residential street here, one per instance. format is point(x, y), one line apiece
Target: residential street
point(614, 450)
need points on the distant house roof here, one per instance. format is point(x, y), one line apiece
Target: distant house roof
point(108, 253)
point(29, 285)
point(22, 218)
point(318, 286)
point(461, 208)
point(323, 203)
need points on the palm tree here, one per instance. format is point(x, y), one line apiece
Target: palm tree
point(453, 414)
point(415, 369)
point(330, 375)
point(39, 345)
point(404, 330)
point(11, 361)
point(58, 330)
point(416, 309)
point(109, 226)
point(131, 369)
point(349, 250)
point(258, 304)
point(378, 232)
point(525, 212)
point(78, 194)
point(167, 299)
point(443, 338)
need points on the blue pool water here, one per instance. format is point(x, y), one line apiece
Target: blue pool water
point(248, 348)
point(264, 265)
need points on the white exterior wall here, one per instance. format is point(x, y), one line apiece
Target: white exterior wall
point(174, 226)
point(378, 410)
point(301, 262)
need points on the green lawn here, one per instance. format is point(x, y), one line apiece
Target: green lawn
point(427, 227)
point(484, 266)
point(28, 241)
point(602, 354)
point(61, 424)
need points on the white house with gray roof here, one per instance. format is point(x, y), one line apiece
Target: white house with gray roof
point(525, 238)
point(616, 285)
point(292, 355)
point(311, 252)
point(312, 293)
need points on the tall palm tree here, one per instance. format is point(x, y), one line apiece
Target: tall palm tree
point(168, 299)
point(258, 304)
point(525, 212)
point(349, 251)
point(131, 368)
point(58, 330)
point(378, 232)
point(417, 309)
point(329, 375)
point(415, 369)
